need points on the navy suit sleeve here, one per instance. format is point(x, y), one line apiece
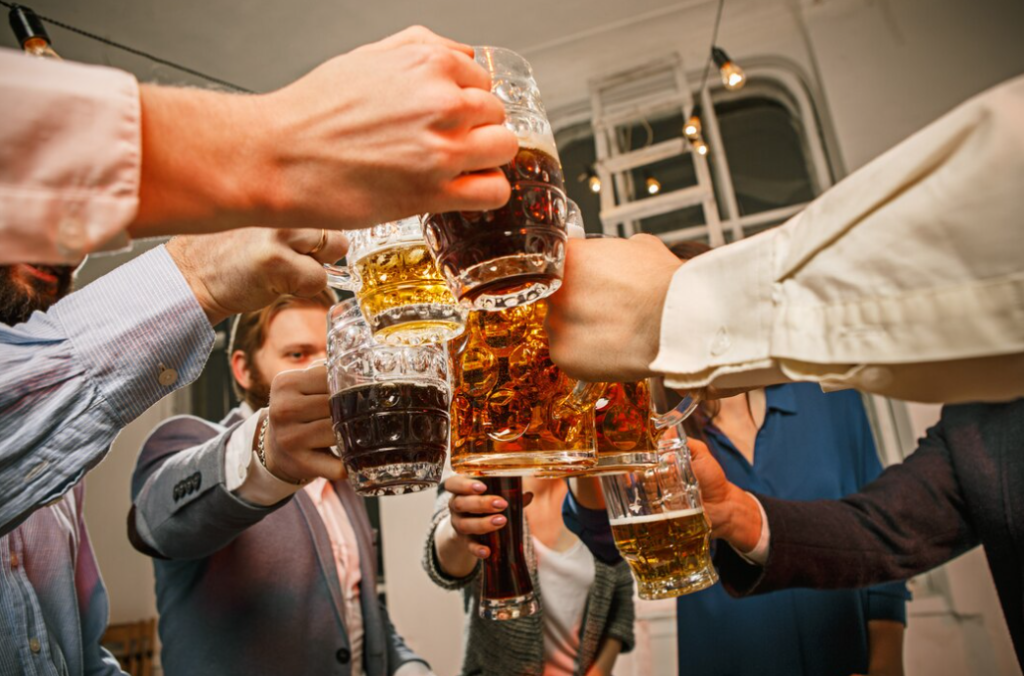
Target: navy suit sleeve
point(887, 601)
point(591, 525)
point(909, 520)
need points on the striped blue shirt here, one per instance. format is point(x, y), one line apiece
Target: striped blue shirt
point(72, 378)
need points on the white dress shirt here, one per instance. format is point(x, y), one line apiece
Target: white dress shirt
point(905, 279)
point(70, 158)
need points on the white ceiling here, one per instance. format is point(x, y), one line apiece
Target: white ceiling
point(260, 44)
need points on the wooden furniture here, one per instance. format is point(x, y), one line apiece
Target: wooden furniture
point(133, 644)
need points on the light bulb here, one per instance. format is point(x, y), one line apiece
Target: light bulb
point(653, 185)
point(733, 76)
point(692, 127)
point(594, 183)
point(700, 146)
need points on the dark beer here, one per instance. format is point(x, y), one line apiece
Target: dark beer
point(393, 436)
point(506, 590)
point(512, 255)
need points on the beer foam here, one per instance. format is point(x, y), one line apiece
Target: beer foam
point(651, 518)
point(542, 142)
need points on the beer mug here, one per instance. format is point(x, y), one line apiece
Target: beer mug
point(506, 589)
point(514, 255)
point(389, 405)
point(659, 526)
point(507, 416)
point(402, 295)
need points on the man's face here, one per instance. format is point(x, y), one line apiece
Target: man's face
point(296, 337)
point(26, 288)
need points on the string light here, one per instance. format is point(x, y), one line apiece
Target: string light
point(692, 128)
point(733, 76)
point(653, 184)
point(592, 180)
point(700, 146)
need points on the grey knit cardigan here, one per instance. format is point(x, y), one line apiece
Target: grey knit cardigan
point(516, 647)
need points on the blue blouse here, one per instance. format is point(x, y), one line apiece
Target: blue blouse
point(811, 446)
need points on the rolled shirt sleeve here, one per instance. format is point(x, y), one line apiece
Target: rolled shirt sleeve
point(916, 259)
point(77, 374)
point(70, 158)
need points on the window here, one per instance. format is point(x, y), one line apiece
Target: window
point(766, 162)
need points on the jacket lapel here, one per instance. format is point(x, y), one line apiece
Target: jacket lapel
point(324, 554)
point(374, 640)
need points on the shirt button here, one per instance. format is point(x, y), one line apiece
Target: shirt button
point(71, 236)
point(776, 293)
point(721, 343)
point(14, 561)
point(167, 376)
point(343, 655)
point(33, 645)
point(242, 471)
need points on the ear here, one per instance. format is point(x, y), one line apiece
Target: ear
point(240, 370)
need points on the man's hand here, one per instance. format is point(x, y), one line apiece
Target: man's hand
point(301, 432)
point(400, 127)
point(604, 323)
point(245, 270)
point(734, 515)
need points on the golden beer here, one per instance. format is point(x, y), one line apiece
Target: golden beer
point(669, 553)
point(506, 418)
point(403, 295)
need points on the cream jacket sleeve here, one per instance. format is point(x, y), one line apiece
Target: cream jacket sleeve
point(905, 279)
point(70, 152)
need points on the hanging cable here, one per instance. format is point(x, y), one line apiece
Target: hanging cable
point(136, 52)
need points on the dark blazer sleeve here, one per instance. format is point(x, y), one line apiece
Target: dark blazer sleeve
point(180, 506)
point(910, 520)
point(622, 613)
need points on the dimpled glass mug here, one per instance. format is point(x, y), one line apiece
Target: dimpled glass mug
point(494, 260)
point(658, 523)
point(514, 413)
point(389, 404)
point(402, 295)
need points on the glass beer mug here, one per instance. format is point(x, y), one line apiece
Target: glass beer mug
point(402, 295)
point(389, 405)
point(659, 526)
point(514, 255)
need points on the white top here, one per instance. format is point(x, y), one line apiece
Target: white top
point(889, 282)
point(565, 581)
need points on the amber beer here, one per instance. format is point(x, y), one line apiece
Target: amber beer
point(403, 293)
point(669, 553)
point(506, 590)
point(506, 392)
point(626, 437)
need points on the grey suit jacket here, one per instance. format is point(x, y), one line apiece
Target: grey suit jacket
point(243, 589)
point(963, 486)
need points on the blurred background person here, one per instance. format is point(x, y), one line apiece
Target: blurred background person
point(586, 606)
point(282, 536)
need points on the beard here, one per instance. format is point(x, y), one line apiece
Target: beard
point(258, 394)
point(27, 288)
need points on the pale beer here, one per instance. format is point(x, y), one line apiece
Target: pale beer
point(669, 553)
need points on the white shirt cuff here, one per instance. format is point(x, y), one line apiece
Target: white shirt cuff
point(717, 317)
point(244, 475)
point(759, 554)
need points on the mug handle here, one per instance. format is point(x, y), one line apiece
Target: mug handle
point(582, 399)
point(677, 415)
point(342, 277)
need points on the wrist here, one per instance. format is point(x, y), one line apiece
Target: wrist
point(208, 178)
point(179, 249)
point(742, 527)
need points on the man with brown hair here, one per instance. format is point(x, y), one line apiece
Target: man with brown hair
point(264, 555)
